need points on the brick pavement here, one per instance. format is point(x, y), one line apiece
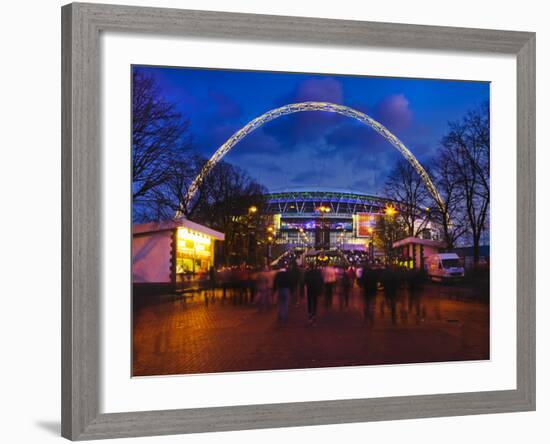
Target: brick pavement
point(172, 336)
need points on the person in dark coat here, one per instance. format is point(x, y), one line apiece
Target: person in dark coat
point(314, 286)
point(348, 275)
point(212, 282)
point(416, 283)
point(282, 285)
point(369, 283)
point(294, 276)
point(390, 280)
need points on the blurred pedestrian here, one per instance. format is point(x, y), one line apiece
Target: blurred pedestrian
point(329, 279)
point(301, 285)
point(390, 280)
point(263, 288)
point(368, 283)
point(314, 285)
point(415, 280)
point(281, 285)
point(242, 285)
point(294, 276)
point(212, 282)
point(347, 283)
point(359, 272)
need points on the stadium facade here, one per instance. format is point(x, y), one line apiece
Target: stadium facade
point(327, 218)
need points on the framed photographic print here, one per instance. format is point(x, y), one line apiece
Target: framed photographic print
point(279, 221)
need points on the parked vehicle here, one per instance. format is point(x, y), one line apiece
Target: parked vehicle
point(444, 267)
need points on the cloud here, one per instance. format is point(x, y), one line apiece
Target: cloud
point(269, 167)
point(421, 149)
point(325, 89)
point(351, 135)
point(366, 184)
point(281, 135)
point(310, 176)
point(309, 126)
point(258, 141)
point(394, 113)
point(225, 107)
point(334, 149)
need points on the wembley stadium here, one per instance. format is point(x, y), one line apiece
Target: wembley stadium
point(324, 218)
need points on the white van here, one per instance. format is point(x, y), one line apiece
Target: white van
point(444, 267)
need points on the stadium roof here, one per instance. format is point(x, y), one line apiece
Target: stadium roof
point(314, 189)
point(300, 202)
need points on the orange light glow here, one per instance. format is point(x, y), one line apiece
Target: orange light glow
point(390, 211)
point(186, 234)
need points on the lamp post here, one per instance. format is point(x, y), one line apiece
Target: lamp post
point(324, 210)
point(251, 243)
point(390, 211)
point(269, 243)
point(371, 245)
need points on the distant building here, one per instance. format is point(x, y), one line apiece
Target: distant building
point(414, 251)
point(324, 218)
point(165, 254)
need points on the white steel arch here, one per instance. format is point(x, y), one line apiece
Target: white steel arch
point(312, 106)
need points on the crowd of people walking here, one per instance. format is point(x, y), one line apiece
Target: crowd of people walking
point(295, 285)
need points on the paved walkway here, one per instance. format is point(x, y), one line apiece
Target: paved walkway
point(172, 336)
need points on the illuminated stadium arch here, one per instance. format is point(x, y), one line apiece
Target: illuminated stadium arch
point(312, 106)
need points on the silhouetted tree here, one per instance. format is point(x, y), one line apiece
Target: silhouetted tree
point(160, 136)
point(168, 199)
point(227, 193)
point(450, 212)
point(465, 151)
point(407, 189)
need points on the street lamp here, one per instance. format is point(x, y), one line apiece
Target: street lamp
point(371, 243)
point(324, 210)
point(251, 235)
point(390, 210)
point(268, 251)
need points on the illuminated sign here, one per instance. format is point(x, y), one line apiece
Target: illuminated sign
point(193, 243)
point(277, 222)
point(364, 224)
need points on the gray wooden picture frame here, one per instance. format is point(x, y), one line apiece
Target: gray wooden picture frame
point(81, 231)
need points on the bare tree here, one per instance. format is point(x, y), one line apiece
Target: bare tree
point(169, 198)
point(407, 189)
point(226, 195)
point(228, 192)
point(449, 212)
point(159, 135)
point(466, 162)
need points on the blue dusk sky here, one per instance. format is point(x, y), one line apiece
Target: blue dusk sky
point(316, 149)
